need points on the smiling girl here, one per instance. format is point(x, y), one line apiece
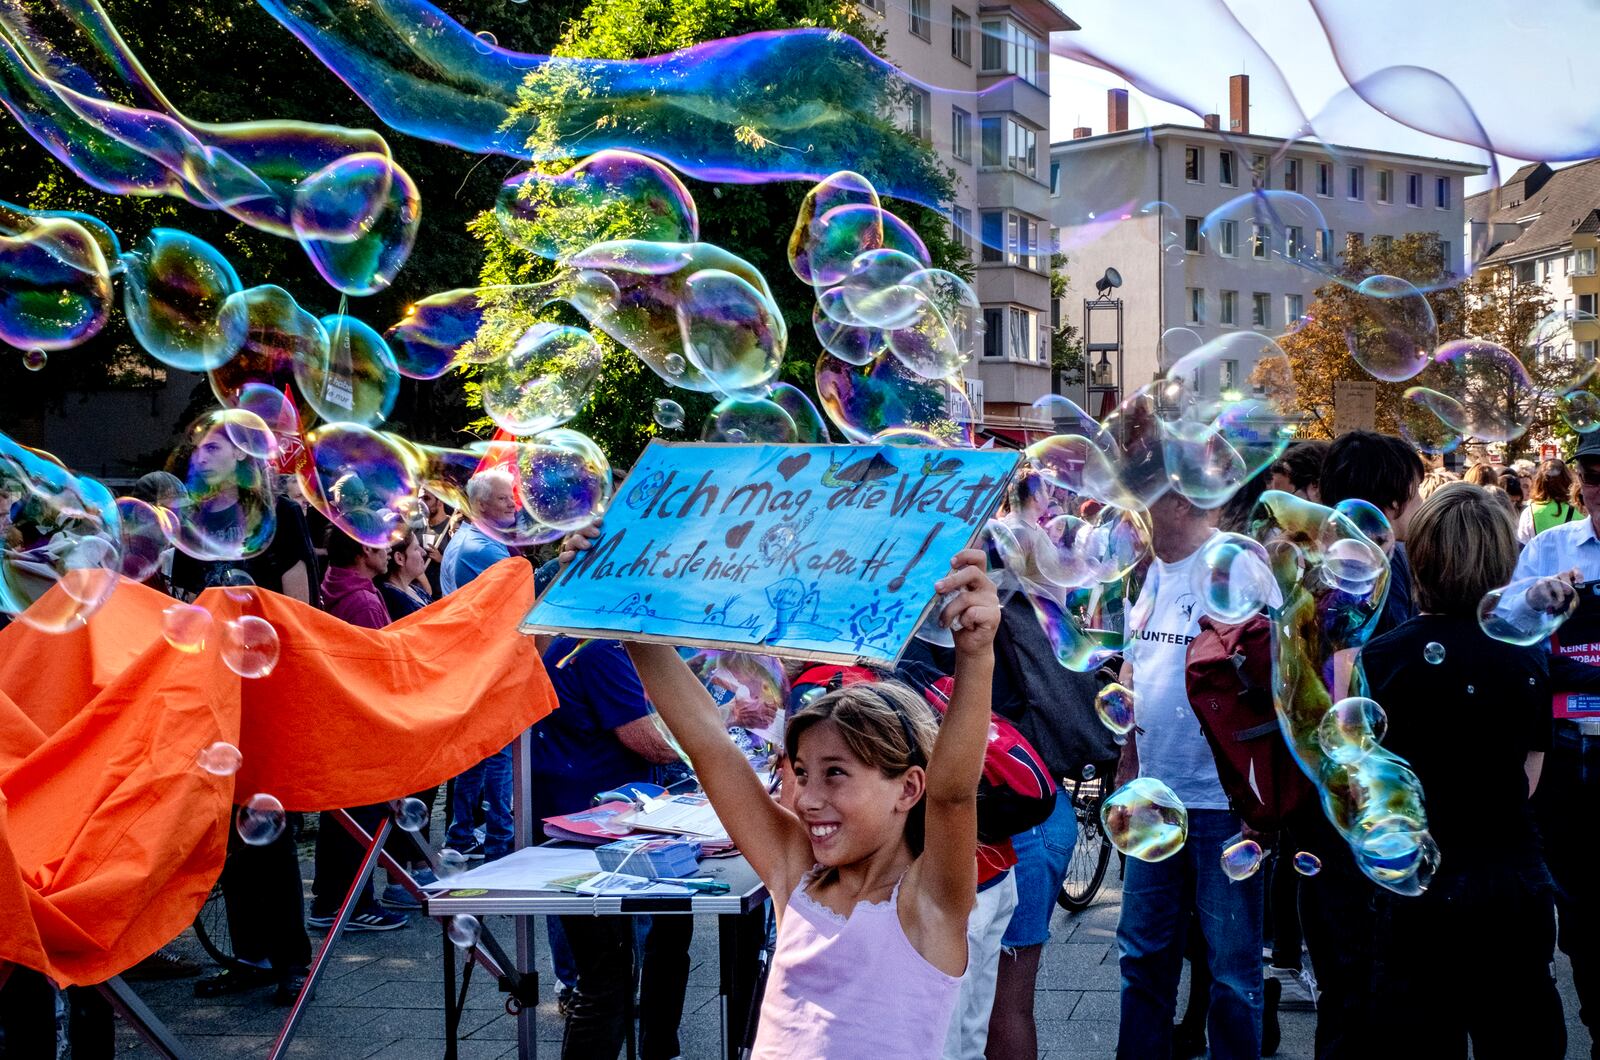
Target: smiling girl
point(871, 873)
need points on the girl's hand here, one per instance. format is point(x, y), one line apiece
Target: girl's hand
point(576, 542)
point(973, 617)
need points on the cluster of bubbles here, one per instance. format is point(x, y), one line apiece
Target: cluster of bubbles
point(336, 191)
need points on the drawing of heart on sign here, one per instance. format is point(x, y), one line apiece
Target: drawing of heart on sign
point(790, 465)
point(736, 534)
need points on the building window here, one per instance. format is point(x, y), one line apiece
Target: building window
point(1225, 168)
point(1583, 262)
point(1413, 189)
point(1294, 307)
point(1324, 179)
point(921, 113)
point(1545, 268)
point(1055, 178)
point(961, 35)
point(1191, 235)
point(994, 236)
point(1197, 305)
point(1444, 257)
point(1193, 168)
point(1291, 174)
point(1228, 238)
point(1022, 242)
point(1323, 250)
point(1355, 239)
point(1260, 310)
point(1010, 49)
point(921, 24)
point(994, 332)
point(961, 134)
point(1227, 377)
point(876, 5)
point(1258, 241)
point(1294, 242)
point(1441, 193)
point(1227, 303)
point(1383, 243)
point(990, 127)
point(1355, 185)
point(961, 226)
point(1386, 185)
point(1586, 349)
point(1022, 148)
point(1260, 171)
point(1586, 304)
point(1524, 272)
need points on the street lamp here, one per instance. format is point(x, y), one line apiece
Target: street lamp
point(1103, 377)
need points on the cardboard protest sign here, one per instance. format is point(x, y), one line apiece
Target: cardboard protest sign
point(813, 551)
point(1579, 638)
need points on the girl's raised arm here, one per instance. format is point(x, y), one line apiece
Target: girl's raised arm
point(768, 835)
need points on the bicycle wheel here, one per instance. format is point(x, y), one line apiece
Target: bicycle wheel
point(1091, 854)
point(211, 930)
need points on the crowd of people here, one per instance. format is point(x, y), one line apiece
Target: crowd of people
point(890, 937)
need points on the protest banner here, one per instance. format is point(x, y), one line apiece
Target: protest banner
point(816, 551)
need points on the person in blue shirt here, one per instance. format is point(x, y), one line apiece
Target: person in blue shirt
point(602, 737)
point(492, 495)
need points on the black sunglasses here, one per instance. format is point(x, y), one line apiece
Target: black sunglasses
point(1590, 474)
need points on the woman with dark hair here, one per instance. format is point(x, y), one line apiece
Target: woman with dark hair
point(405, 587)
point(1552, 501)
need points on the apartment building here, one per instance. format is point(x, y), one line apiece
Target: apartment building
point(1170, 208)
point(1001, 209)
point(1543, 224)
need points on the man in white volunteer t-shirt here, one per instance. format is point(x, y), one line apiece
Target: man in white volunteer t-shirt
point(1159, 898)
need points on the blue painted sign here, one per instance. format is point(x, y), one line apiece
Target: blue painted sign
point(814, 551)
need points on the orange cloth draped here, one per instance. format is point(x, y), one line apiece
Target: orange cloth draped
point(111, 836)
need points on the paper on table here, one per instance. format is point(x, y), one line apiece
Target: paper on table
point(529, 869)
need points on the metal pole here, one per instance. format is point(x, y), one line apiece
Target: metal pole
point(523, 823)
point(137, 1015)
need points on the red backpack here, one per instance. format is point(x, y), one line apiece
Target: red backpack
point(1015, 793)
point(1229, 678)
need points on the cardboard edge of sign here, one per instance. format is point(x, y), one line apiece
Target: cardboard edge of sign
point(774, 650)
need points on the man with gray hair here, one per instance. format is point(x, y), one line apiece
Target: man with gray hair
point(492, 495)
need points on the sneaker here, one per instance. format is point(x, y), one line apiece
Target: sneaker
point(165, 963)
point(472, 851)
point(377, 919)
point(323, 922)
point(564, 1001)
point(395, 896)
point(1298, 985)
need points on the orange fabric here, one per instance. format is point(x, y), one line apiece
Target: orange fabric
point(110, 835)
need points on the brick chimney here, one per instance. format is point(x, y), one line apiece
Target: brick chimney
point(1212, 121)
point(1239, 103)
point(1081, 131)
point(1117, 110)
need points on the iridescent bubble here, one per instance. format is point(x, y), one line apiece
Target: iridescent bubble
point(730, 330)
point(485, 42)
point(249, 433)
point(278, 336)
point(353, 379)
point(410, 814)
point(146, 531)
point(1398, 852)
point(1138, 430)
point(749, 691)
point(228, 508)
point(1074, 462)
point(451, 863)
point(1201, 465)
point(1144, 819)
point(464, 931)
point(564, 480)
point(1307, 864)
point(438, 331)
point(1208, 380)
point(250, 646)
point(1232, 578)
point(1258, 430)
point(674, 365)
point(1351, 729)
point(810, 428)
point(220, 759)
point(1393, 330)
point(55, 284)
point(668, 414)
point(1431, 421)
point(260, 820)
point(176, 289)
point(877, 292)
point(1554, 344)
point(237, 585)
point(756, 420)
point(35, 359)
point(357, 219)
point(1241, 858)
point(362, 480)
point(1491, 386)
point(544, 381)
point(1067, 418)
point(1113, 705)
point(1114, 544)
point(275, 408)
point(864, 401)
point(1580, 410)
point(1527, 611)
point(609, 195)
point(1365, 517)
point(1077, 646)
point(1433, 653)
point(186, 627)
point(849, 343)
point(841, 218)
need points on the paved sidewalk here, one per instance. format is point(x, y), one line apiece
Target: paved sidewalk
point(383, 998)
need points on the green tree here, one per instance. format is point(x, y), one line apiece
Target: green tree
point(1066, 347)
point(750, 220)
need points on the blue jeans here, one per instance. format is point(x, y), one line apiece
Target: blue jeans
point(488, 782)
point(1043, 854)
point(1156, 900)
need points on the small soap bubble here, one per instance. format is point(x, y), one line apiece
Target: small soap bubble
point(1145, 819)
point(451, 863)
point(35, 359)
point(221, 759)
point(1307, 863)
point(260, 820)
point(484, 43)
point(1241, 858)
point(1433, 653)
point(1114, 706)
point(250, 646)
point(675, 364)
point(1351, 729)
point(465, 930)
point(410, 814)
point(737, 437)
point(186, 626)
point(1580, 410)
point(237, 584)
point(1527, 611)
point(669, 414)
